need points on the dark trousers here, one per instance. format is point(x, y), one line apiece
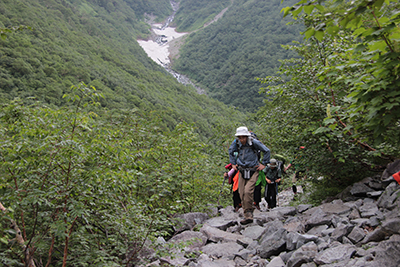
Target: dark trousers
point(236, 199)
point(257, 194)
point(270, 193)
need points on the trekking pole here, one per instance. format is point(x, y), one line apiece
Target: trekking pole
point(220, 192)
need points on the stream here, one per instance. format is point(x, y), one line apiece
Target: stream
point(157, 48)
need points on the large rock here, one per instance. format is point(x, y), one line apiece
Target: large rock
point(205, 261)
point(222, 250)
point(272, 244)
point(222, 223)
point(336, 253)
point(303, 255)
point(216, 235)
point(388, 199)
point(319, 217)
point(295, 240)
point(356, 235)
point(294, 224)
point(189, 220)
point(391, 169)
point(191, 239)
point(254, 232)
point(387, 253)
point(360, 190)
point(336, 207)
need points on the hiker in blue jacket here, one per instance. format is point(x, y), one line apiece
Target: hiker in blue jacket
point(248, 164)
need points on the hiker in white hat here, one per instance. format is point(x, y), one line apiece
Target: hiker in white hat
point(244, 155)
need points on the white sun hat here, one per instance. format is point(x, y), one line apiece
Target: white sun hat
point(272, 163)
point(242, 131)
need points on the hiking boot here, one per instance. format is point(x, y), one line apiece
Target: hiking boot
point(237, 209)
point(248, 217)
point(246, 221)
point(257, 206)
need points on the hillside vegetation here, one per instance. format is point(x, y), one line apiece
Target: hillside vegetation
point(193, 14)
point(94, 43)
point(99, 146)
point(342, 101)
point(228, 56)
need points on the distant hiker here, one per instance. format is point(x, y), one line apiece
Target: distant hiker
point(261, 183)
point(299, 170)
point(248, 166)
point(281, 161)
point(233, 177)
point(273, 176)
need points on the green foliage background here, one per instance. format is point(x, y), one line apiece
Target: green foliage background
point(245, 43)
point(90, 173)
point(340, 102)
point(90, 188)
point(84, 41)
point(193, 14)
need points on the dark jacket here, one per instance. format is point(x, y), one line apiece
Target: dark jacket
point(247, 157)
point(272, 174)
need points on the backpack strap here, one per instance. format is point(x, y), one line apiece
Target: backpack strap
point(251, 146)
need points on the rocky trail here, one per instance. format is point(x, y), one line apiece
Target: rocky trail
point(360, 228)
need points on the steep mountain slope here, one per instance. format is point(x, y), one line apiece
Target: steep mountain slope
point(93, 42)
point(245, 43)
point(192, 14)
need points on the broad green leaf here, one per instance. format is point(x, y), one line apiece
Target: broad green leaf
point(319, 35)
point(308, 9)
point(332, 126)
point(353, 94)
point(328, 121)
point(322, 130)
point(360, 10)
point(378, 32)
point(395, 14)
point(379, 45)
point(368, 32)
point(335, 108)
point(378, 4)
point(286, 11)
point(359, 31)
point(320, 8)
point(333, 30)
point(383, 20)
point(310, 32)
point(344, 22)
point(297, 10)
